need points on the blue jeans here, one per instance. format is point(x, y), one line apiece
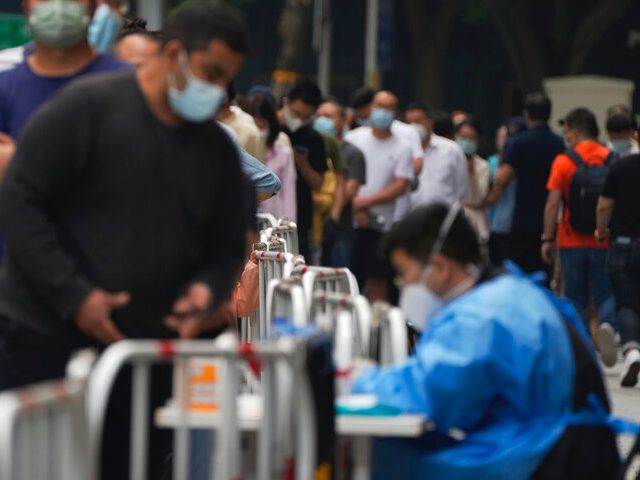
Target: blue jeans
point(624, 268)
point(585, 272)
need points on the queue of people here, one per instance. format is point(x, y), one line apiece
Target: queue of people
point(123, 151)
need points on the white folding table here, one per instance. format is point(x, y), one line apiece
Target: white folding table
point(360, 429)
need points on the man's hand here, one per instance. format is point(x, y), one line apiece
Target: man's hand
point(362, 218)
point(192, 314)
point(548, 252)
point(360, 203)
point(7, 149)
point(93, 316)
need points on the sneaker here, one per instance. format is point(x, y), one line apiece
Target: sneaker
point(631, 369)
point(606, 339)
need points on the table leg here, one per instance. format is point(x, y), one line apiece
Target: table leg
point(362, 458)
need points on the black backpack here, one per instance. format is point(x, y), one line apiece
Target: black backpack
point(586, 187)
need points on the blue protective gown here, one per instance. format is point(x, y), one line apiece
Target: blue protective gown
point(495, 363)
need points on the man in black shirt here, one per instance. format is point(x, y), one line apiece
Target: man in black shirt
point(618, 208)
point(297, 117)
point(120, 208)
point(339, 234)
point(528, 160)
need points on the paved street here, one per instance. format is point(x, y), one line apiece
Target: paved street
point(626, 404)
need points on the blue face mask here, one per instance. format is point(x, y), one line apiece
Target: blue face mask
point(103, 29)
point(620, 146)
point(325, 125)
point(381, 118)
point(363, 122)
point(199, 101)
point(469, 147)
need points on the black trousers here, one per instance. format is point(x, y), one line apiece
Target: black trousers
point(27, 357)
point(523, 248)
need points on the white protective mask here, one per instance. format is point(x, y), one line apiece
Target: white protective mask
point(293, 123)
point(422, 130)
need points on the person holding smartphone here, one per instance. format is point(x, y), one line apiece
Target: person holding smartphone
point(296, 117)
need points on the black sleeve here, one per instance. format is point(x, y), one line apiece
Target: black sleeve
point(610, 188)
point(317, 152)
point(512, 153)
point(52, 150)
point(228, 225)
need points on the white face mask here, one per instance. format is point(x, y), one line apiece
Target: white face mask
point(422, 130)
point(293, 123)
point(264, 134)
point(419, 304)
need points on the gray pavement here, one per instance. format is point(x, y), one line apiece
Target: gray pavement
point(625, 402)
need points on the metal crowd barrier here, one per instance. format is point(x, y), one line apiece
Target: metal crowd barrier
point(329, 280)
point(393, 336)
point(272, 266)
point(249, 326)
point(325, 312)
point(286, 230)
point(286, 299)
point(43, 434)
point(286, 355)
point(265, 220)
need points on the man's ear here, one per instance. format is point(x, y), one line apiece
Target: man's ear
point(171, 52)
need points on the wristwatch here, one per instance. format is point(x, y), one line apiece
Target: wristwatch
point(544, 239)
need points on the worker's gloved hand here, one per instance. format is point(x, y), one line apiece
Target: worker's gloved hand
point(192, 315)
point(93, 316)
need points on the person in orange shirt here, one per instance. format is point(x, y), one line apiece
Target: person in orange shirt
point(582, 256)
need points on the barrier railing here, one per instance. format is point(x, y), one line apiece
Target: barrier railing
point(265, 220)
point(284, 355)
point(286, 230)
point(325, 312)
point(286, 299)
point(43, 433)
point(272, 266)
point(392, 334)
point(327, 280)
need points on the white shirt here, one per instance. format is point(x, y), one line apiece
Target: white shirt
point(409, 135)
point(474, 205)
point(386, 160)
point(10, 57)
point(444, 177)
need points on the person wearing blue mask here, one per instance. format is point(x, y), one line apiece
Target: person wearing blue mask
point(502, 362)
point(621, 130)
point(60, 54)
point(105, 24)
point(120, 212)
point(389, 167)
point(468, 135)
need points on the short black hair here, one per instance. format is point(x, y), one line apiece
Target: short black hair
point(538, 106)
point(418, 106)
point(335, 101)
point(307, 91)
point(362, 97)
point(471, 122)
point(584, 121)
point(620, 122)
point(137, 26)
point(418, 231)
point(442, 123)
point(196, 23)
point(260, 105)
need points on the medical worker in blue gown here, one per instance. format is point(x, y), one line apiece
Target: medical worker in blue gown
point(503, 360)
